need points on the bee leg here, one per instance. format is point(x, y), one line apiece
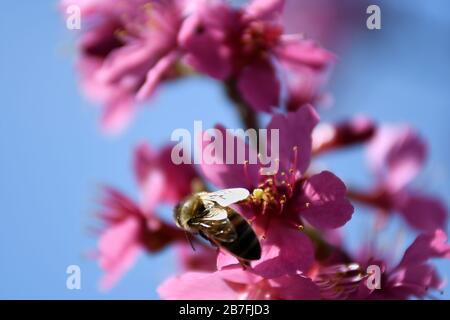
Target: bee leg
point(244, 264)
point(204, 236)
point(188, 237)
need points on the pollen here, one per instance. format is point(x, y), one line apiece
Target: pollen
point(276, 188)
point(258, 194)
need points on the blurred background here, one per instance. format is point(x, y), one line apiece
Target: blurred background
point(54, 158)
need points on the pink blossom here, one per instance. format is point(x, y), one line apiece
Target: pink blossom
point(239, 45)
point(281, 201)
point(236, 284)
point(340, 275)
point(127, 48)
point(132, 228)
point(159, 179)
point(128, 231)
point(414, 276)
point(396, 156)
point(343, 275)
point(304, 85)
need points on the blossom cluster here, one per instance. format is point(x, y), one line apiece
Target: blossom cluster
point(130, 48)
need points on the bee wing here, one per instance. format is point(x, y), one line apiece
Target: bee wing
point(226, 197)
point(216, 225)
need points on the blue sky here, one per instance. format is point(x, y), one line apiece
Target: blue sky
point(53, 157)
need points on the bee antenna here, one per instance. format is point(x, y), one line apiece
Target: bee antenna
point(188, 237)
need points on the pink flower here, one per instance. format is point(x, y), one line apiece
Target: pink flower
point(396, 156)
point(413, 276)
point(343, 275)
point(129, 47)
point(128, 231)
point(304, 84)
point(159, 179)
point(338, 276)
point(282, 201)
point(236, 284)
point(132, 228)
point(126, 49)
point(239, 45)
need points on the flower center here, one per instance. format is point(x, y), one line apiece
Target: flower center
point(274, 190)
point(269, 198)
point(258, 38)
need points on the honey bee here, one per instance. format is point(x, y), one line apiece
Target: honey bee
point(209, 215)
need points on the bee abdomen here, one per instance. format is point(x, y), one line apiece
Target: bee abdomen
point(246, 246)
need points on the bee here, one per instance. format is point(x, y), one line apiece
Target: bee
point(209, 215)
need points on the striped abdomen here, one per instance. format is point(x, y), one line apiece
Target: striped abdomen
point(246, 245)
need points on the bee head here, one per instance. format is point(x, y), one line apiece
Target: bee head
point(177, 214)
point(186, 210)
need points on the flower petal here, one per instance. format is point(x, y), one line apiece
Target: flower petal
point(284, 251)
point(196, 286)
point(415, 281)
point(156, 74)
point(203, 38)
point(396, 155)
point(259, 85)
point(143, 161)
point(117, 115)
point(295, 137)
point(425, 213)
point(305, 53)
point(236, 274)
point(425, 247)
point(128, 60)
point(234, 174)
point(327, 205)
point(264, 9)
point(295, 287)
point(118, 249)
point(160, 180)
